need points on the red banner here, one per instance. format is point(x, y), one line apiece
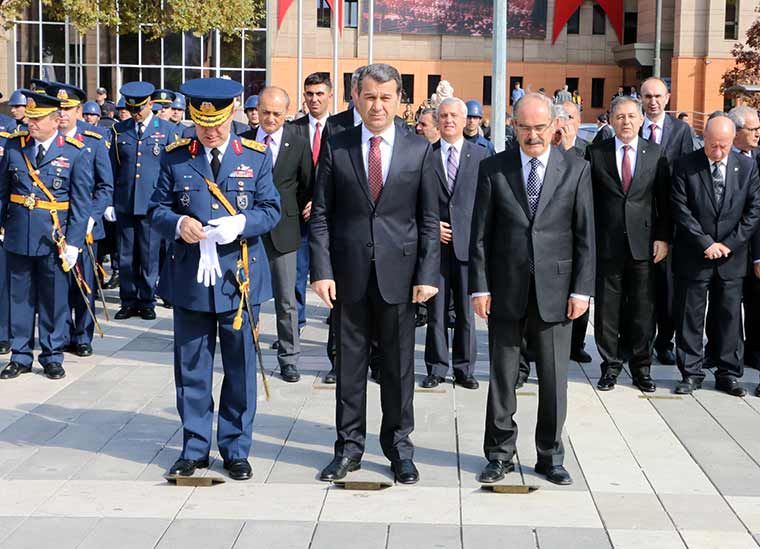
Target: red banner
point(282, 9)
point(331, 3)
point(564, 10)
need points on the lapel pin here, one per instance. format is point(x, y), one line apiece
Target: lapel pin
point(287, 144)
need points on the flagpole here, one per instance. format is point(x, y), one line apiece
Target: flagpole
point(336, 30)
point(499, 71)
point(371, 33)
point(269, 42)
point(299, 49)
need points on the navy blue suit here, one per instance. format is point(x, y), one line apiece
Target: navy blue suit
point(5, 297)
point(136, 165)
point(245, 177)
point(37, 281)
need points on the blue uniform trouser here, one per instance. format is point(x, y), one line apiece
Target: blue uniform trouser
point(194, 345)
point(302, 273)
point(81, 325)
point(138, 261)
point(5, 299)
point(38, 284)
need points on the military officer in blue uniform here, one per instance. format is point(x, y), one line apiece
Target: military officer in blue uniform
point(471, 129)
point(5, 297)
point(136, 147)
point(45, 193)
point(215, 195)
point(81, 324)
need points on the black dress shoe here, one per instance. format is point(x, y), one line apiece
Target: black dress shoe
point(125, 313)
point(186, 467)
point(688, 386)
point(331, 377)
point(522, 378)
point(405, 471)
point(607, 382)
point(166, 304)
point(239, 469)
point(645, 383)
point(579, 355)
point(495, 471)
point(731, 386)
point(112, 282)
point(420, 320)
point(14, 369)
point(148, 313)
point(555, 474)
point(70, 348)
point(276, 344)
point(374, 375)
point(468, 382)
point(54, 370)
point(290, 373)
point(666, 357)
point(83, 349)
point(339, 467)
point(431, 381)
point(5, 347)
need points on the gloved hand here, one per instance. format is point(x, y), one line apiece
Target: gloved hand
point(90, 225)
point(226, 229)
point(109, 214)
point(70, 254)
point(208, 265)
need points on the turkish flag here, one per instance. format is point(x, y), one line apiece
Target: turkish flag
point(564, 10)
point(282, 9)
point(331, 3)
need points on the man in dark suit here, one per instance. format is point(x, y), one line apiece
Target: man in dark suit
point(292, 174)
point(532, 260)
point(675, 139)
point(604, 130)
point(631, 181)
point(716, 209)
point(456, 166)
point(374, 253)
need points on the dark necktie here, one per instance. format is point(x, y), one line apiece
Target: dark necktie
point(533, 188)
point(653, 133)
point(625, 169)
point(452, 167)
point(375, 168)
point(316, 144)
point(215, 163)
point(140, 130)
point(40, 155)
point(719, 184)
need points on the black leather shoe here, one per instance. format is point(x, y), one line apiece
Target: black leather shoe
point(432, 381)
point(731, 386)
point(290, 373)
point(83, 349)
point(112, 282)
point(468, 382)
point(645, 383)
point(405, 471)
point(125, 313)
point(607, 382)
point(54, 370)
point(495, 471)
point(239, 469)
point(688, 386)
point(5, 347)
point(374, 375)
point(331, 377)
point(420, 319)
point(148, 313)
point(579, 355)
point(14, 369)
point(555, 474)
point(522, 378)
point(275, 344)
point(666, 357)
point(186, 467)
point(339, 467)
point(166, 304)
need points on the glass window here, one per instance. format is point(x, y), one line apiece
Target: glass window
point(407, 88)
point(432, 83)
point(600, 20)
point(129, 74)
point(731, 31)
point(173, 49)
point(253, 82)
point(28, 43)
point(128, 49)
point(487, 90)
point(574, 23)
point(324, 14)
point(172, 78)
point(597, 93)
point(107, 46)
point(255, 50)
point(350, 14)
point(209, 50)
point(31, 12)
point(232, 50)
point(24, 75)
point(347, 86)
point(152, 75)
point(151, 50)
point(53, 43)
point(108, 81)
point(192, 50)
point(47, 15)
point(192, 73)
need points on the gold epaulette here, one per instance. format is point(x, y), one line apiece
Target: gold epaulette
point(6, 135)
point(18, 133)
point(255, 145)
point(91, 133)
point(72, 141)
point(184, 142)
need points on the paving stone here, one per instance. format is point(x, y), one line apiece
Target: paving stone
point(651, 539)
point(58, 532)
point(209, 534)
point(572, 538)
point(480, 536)
point(424, 536)
point(276, 534)
point(329, 535)
point(397, 504)
point(710, 539)
point(632, 511)
point(8, 525)
point(125, 533)
point(691, 512)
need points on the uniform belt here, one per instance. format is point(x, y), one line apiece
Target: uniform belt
point(31, 202)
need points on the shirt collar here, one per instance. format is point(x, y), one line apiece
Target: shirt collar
point(739, 151)
point(660, 123)
point(633, 144)
point(389, 135)
point(145, 122)
point(445, 145)
point(723, 163)
point(313, 121)
point(72, 132)
point(544, 158)
point(46, 144)
point(357, 117)
point(276, 136)
point(222, 148)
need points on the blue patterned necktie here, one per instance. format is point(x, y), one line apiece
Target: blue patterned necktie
point(719, 184)
point(533, 186)
point(452, 167)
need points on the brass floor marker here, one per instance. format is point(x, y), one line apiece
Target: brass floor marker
point(661, 397)
point(194, 481)
point(363, 484)
point(510, 488)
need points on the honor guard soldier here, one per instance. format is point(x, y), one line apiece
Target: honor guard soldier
point(7, 124)
point(45, 202)
point(82, 323)
point(471, 129)
point(162, 99)
point(17, 106)
point(136, 146)
point(215, 199)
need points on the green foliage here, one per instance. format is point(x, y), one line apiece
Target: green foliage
point(747, 69)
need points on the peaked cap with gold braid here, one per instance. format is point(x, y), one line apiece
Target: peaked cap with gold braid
point(211, 100)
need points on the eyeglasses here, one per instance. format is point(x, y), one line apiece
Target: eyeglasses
point(529, 129)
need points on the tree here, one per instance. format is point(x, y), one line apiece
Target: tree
point(747, 68)
point(162, 17)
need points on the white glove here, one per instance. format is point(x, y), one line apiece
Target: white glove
point(110, 214)
point(226, 229)
point(2, 238)
point(90, 225)
point(70, 255)
point(208, 265)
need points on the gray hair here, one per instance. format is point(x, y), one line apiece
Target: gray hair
point(381, 73)
point(355, 76)
point(620, 100)
point(738, 115)
point(276, 89)
point(425, 111)
point(452, 101)
point(541, 97)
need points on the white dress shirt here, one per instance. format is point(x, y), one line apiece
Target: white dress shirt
point(647, 130)
point(445, 146)
point(45, 144)
point(313, 127)
point(386, 148)
point(722, 165)
point(274, 146)
point(144, 124)
point(739, 151)
point(631, 155)
point(357, 117)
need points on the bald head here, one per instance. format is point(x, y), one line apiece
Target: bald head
point(534, 117)
point(273, 107)
point(719, 136)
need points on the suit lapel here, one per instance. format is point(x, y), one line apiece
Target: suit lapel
point(732, 173)
point(551, 179)
point(201, 165)
point(30, 150)
point(610, 161)
point(355, 153)
point(283, 155)
point(53, 151)
point(513, 173)
point(438, 167)
point(667, 128)
point(705, 174)
point(642, 162)
point(393, 169)
point(150, 128)
point(464, 165)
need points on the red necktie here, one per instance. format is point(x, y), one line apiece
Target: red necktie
point(315, 145)
point(626, 169)
point(653, 133)
point(375, 168)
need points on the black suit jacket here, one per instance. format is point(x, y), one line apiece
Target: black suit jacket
point(456, 208)
point(630, 221)
point(561, 236)
point(401, 231)
point(580, 147)
point(676, 138)
point(755, 244)
point(604, 133)
point(301, 127)
point(699, 223)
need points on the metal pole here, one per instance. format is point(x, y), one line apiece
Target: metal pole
point(269, 41)
point(299, 49)
point(336, 32)
point(657, 38)
point(371, 33)
point(66, 41)
point(499, 78)
point(218, 48)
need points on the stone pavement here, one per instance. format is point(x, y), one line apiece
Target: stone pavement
point(82, 459)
